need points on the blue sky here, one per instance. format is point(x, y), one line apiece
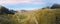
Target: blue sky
point(27, 4)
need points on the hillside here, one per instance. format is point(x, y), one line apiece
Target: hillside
point(47, 15)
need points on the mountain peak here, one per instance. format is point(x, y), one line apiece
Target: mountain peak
point(55, 6)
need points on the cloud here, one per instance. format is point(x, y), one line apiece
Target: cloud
point(54, 1)
point(21, 1)
point(28, 1)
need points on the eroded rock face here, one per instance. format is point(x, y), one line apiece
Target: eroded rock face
point(5, 10)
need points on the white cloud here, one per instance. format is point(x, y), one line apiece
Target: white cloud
point(54, 1)
point(28, 1)
point(21, 1)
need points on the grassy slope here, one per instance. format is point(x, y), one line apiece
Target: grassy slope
point(45, 16)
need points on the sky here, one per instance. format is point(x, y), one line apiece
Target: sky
point(27, 4)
